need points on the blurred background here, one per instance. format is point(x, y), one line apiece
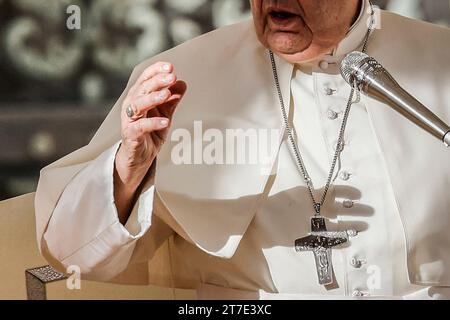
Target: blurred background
point(58, 79)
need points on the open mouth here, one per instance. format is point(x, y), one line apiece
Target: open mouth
point(284, 20)
point(281, 15)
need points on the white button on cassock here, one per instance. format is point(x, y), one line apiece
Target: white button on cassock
point(356, 263)
point(344, 175)
point(329, 91)
point(332, 115)
point(348, 204)
point(324, 65)
point(358, 293)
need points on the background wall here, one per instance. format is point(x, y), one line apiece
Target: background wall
point(56, 84)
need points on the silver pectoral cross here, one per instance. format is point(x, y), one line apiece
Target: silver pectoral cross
point(320, 241)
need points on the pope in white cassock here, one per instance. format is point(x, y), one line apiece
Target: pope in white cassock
point(157, 198)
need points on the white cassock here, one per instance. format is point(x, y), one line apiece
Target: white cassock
point(229, 230)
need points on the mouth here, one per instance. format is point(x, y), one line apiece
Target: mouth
point(281, 15)
point(283, 20)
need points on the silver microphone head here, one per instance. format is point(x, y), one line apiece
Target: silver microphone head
point(351, 65)
point(361, 70)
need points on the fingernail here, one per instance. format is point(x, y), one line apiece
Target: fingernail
point(160, 96)
point(164, 122)
point(166, 67)
point(169, 78)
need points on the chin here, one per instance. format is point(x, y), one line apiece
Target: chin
point(299, 55)
point(288, 43)
point(292, 47)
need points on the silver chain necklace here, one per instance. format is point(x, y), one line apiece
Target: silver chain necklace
point(320, 241)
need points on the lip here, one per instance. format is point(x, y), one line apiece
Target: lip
point(280, 8)
point(283, 20)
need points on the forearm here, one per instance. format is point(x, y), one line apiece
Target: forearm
point(127, 182)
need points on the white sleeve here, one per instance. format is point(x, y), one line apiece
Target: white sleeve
point(85, 230)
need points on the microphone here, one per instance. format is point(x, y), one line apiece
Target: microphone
point(369, 77)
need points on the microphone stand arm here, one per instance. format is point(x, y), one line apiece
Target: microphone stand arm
point(380, 85)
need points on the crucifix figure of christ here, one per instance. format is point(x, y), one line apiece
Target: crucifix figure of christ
point(320, 241)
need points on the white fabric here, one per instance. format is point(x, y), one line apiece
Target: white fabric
point(95, 218)
point(238, 231)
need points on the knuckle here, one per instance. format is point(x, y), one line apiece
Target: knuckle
point(154, 98)
point(150, 99)
point(150, 84)
point(147, 73)
point(141, 90)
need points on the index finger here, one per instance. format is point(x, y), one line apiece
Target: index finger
point(153, 70)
